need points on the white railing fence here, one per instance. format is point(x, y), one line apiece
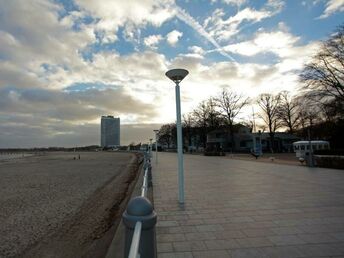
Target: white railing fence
point(140, 219)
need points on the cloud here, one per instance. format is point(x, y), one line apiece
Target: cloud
point(223, 29)
point(235, 2)
point(332, 6)
point(189, 20)
point(33, 37)
point(277, 42)
point(152, 40)
point(173, 37)
point(74, 106)
point(27, 131)
point(112, 15)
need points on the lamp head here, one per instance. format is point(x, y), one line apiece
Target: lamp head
point(177, 75)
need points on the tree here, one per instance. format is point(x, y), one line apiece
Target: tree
point(308, 114)
point(188, 122)
point(207, 118)
point(165, 134)
point(323, 77)
point(287, 111)
point(230, 104)
point(269, 106)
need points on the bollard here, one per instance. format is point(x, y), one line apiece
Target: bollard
point(140, 209)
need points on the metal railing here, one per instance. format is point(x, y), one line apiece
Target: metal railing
point(140, 216)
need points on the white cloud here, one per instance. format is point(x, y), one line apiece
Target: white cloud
point(223, 29)
point(32, 34)
point(332, 6)
point(277, 42)
point(173, 37)
point(114, 14)
point(235, 2)
point(152, 40)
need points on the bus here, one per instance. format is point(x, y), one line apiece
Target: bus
point(302, 148)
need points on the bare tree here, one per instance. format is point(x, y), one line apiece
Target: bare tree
point(207, 118)
point(269, 107)
point(165, 134)
point(323, 77)
point(230, 104)
point(287, 111)
point(188, 123)
point(308, 113)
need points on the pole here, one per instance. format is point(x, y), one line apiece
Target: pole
point(150, 148)
point(310, 155)
point(180, 147)
point(156, 147)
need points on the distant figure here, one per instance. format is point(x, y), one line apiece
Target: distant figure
point(254, 154)
point(302, 160)
point(79, 156)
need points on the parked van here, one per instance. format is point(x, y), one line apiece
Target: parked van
point(302, 148)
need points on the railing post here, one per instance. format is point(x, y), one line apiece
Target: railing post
point(140, 209)
point(149, 175)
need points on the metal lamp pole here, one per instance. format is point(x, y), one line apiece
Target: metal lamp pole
point(177, 75)
point(150, 148)
point(156, 146)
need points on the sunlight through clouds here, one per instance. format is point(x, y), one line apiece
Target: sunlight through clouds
point(66, 64)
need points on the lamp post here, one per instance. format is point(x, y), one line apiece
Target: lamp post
point(150, 148)
point(177, 75)
point(156, 146)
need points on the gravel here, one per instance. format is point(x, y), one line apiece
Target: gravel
point(42, 195)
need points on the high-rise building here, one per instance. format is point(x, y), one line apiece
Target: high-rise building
point(109, 131)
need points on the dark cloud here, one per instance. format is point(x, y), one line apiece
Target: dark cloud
point(38, 117)
point(26, 134)
point(73, 106)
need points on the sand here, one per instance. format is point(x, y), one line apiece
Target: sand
point(58, 206)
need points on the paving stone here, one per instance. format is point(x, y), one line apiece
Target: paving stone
point(317, 238)
point(254, 242)
point(170, 237)
point(166, 223)
point(221, 244)
point(200, 236)
point(211, 254)
point(286, 240)
point(176, 255)
point(286, 230)
point(164, 247)
point(210, 228)
point(256, 232)
point(247, 253)
point(189, 246)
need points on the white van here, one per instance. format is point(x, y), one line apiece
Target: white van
point(302, 148)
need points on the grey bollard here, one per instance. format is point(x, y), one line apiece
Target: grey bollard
point(140, 209)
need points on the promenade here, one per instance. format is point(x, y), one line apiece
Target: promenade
point(237, 208)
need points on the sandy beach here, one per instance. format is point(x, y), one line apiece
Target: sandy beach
point(57, 206)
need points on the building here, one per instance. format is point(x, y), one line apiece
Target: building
point(110, 131)
point(245, 141)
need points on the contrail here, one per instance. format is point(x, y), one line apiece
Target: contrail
point(189, 20)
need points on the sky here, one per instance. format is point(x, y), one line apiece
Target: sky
point(64, 64)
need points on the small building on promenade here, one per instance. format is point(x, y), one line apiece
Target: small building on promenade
point(244, 140)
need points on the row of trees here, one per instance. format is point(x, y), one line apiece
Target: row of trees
point(319, 100)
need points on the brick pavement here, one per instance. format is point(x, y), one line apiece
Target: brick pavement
point(236, 208)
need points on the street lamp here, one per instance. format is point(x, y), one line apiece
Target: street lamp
point(177, 75)
point(150, 148)
point(156, 146)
